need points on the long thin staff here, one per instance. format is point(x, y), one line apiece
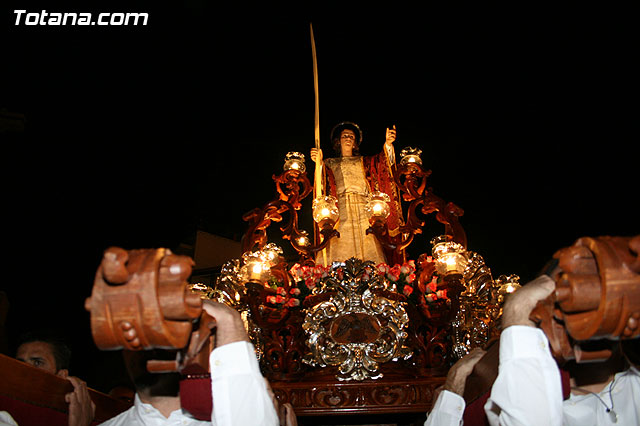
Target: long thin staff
point(317, 183)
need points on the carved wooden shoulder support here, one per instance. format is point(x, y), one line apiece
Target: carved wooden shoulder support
point(597, 295)
point(140, 300)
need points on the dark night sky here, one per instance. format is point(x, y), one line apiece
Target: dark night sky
point(135, 136)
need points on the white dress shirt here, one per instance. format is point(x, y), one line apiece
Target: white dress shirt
point(239, 393)
point(447, 410)
point(585, 410)
point(6, 419)
point(143, 414)
point(528, 391)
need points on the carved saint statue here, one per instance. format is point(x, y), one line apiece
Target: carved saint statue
point(350, 178)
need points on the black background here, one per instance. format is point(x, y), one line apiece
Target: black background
point(138, 136)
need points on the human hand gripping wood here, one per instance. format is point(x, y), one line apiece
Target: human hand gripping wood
point(229, 325)
point(458, 373)
point(518, 306)
point(81, 408)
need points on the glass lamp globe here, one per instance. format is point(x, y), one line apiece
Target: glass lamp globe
point(377, 206)
point(294, 161)
point(325, 209)
point(410, 155)
point(449, 256)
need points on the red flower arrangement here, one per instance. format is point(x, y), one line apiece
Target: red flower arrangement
point(305, 278)
point(419, 285)
point(402, 276)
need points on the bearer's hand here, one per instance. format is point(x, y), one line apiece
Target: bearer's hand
point(458, 373)
point(519, 304)
point(81, 407)
point(229, 325)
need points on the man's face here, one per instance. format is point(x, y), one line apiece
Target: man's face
point(347, 142)
point(38, 354)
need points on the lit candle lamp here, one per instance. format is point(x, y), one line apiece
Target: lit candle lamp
point(303, 239)
point(294, 161)
point(507, 285)
point(410, 155)
point(255, 269)
point(450, 257)
point(377, 206)
point(325, 211)
point(271, 254)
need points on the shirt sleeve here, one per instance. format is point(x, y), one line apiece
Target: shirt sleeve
point(239, 391)
point(447, 410)
point(6, 419)
point(528, 389)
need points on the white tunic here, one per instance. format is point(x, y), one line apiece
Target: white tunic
point(352, 189)
point(238, 389)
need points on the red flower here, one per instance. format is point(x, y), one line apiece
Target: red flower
point(433, 286)
point(396, 270)
point(310, 282)
point(382, 268)
point(293, 302)
point(319, 271)
point(295, 291)
point(408, 267)
point(411, 277)
point(306, 272)
point(271, 299)
point(296, 271)
point(407, 290)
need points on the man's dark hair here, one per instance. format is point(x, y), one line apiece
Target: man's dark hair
point(153, 384)
point(61, 350)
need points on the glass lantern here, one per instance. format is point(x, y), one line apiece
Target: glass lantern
point(507, 285)
point(271, 254)
point(294, 161)
point(325, 210)
point(377, 206)
point(254, 269)
point(410, 155)
point(303, 239)
point(450, 257)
